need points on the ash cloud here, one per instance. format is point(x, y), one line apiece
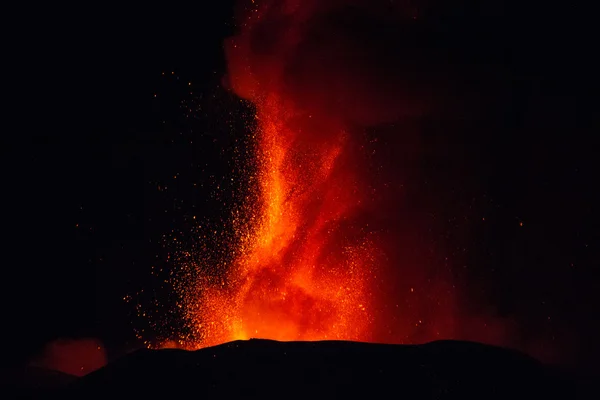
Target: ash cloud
point(365, 62)
point(387, 67)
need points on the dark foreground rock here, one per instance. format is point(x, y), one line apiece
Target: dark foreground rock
point(313, 370)
point(33, 382)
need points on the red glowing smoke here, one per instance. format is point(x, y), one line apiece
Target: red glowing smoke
point(73, 356)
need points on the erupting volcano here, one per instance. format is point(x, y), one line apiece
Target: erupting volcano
point(323, 235)
point(309, 198)
point(301, 272)
point(302, 263)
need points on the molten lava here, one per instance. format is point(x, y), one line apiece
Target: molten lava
point(300, 273)
point(301, 263)
point(357, 217)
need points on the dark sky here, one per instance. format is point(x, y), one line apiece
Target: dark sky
point(88, 150)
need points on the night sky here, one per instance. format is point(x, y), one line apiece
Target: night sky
point(103, 160)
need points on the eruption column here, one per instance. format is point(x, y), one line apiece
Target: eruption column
point(301, 271)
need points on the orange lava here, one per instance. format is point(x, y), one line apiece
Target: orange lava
point(342, 234)
point(299, 274)
point(300, 265)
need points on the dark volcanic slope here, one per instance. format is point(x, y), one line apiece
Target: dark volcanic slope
point(32, 382)
point(269, 369)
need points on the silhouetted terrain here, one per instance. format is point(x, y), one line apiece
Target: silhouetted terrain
point(33, 382)
point(270, 369)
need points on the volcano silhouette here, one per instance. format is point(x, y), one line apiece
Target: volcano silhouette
point(328, 369)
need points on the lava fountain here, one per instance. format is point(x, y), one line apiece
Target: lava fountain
point(301, 272)
point(358, 210)
point(324, 246)
point(302, 260)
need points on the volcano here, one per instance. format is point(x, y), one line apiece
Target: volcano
point(326, 369)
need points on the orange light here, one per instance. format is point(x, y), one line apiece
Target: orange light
point(293, 260)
